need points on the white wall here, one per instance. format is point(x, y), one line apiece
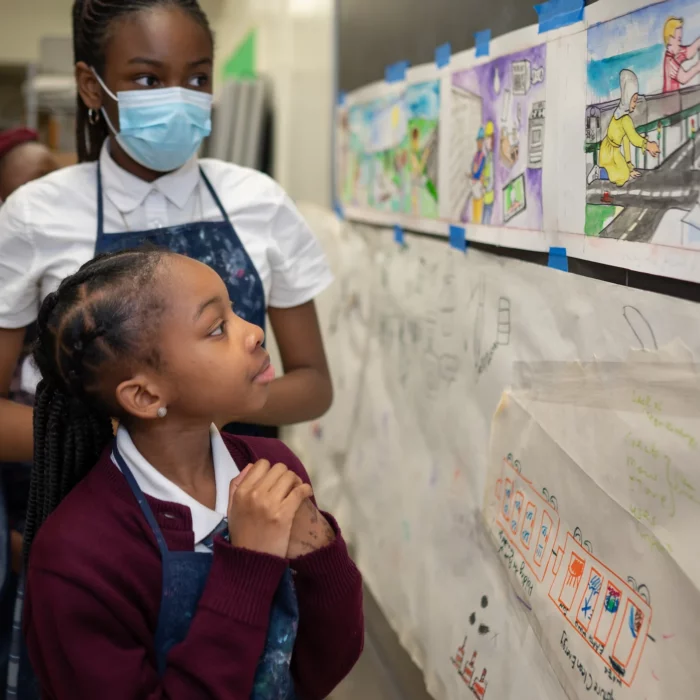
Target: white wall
point(295, 50)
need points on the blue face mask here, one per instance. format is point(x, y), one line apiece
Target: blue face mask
point(162, 128)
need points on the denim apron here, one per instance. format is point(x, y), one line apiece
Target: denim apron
point(184, 577)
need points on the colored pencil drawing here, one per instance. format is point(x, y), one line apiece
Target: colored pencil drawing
point(418, 151)
point(497, 142)
point(373, 172)
point(642, 155)
point(388, 152)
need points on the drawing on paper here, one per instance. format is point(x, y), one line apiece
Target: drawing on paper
point(642, 150)
point(374, 131)
point(388, 152)
point(610, 614)
point(419, 150)
point(497, 141)
point(468, 671)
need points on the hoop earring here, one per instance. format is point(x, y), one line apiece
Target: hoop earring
point(93, 117)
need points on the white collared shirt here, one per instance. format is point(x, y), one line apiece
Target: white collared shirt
point(48, 228)
point(154, 484)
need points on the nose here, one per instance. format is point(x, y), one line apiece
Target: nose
point(254, 338)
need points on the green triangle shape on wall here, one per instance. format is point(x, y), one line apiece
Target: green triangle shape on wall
point(241, 63)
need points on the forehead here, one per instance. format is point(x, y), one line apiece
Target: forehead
point(163, 33)
point(189, 282)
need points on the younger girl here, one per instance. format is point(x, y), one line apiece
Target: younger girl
point(165, 572)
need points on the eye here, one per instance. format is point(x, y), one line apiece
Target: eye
point(147, 81)
point(219, 330)
point(198, 81)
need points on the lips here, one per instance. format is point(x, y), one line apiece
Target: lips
point(266, 374)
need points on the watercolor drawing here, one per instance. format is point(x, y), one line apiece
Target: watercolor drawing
point(642, 155)
point(497, 141)
point(388, 152)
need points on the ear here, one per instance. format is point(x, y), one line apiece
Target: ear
point(140, 397)
point(88, 86)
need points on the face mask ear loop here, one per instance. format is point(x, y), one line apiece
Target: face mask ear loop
point(112, 95)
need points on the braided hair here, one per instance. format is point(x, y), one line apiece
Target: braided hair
point(93, 20)
point(99, 318)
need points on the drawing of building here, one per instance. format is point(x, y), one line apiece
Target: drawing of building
point(467, 118)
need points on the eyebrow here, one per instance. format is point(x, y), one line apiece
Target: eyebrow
point(159, 64)
point(205, 304)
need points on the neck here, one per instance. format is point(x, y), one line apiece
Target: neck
point(180, 453)
point(129, 164)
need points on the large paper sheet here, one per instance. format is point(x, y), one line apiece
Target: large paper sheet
point(583, 138)
point(422, 342)
point(592, 502)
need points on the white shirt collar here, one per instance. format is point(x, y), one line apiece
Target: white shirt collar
point(154, 484)
point(127, 192)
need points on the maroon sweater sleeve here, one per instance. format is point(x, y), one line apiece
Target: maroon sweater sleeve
point(329, 590)
point(82, 646)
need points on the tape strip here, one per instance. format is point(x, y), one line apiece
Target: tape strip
point(443, 55)
point(396, 72)
point(399, 235)
point(458, 238)
point(338, 209)
point(483, 40)
point(558, 259)
point(559, 13)
point(342, 96)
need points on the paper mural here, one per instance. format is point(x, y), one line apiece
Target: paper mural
point(642, 118)
point(423, 341)
point(497, 142)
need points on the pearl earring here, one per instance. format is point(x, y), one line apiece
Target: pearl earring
point(162, 412)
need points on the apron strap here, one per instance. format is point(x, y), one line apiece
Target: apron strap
point(141, 499)
point(215, 196)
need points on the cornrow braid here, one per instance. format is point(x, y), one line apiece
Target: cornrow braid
point(93, 20)
point(98, 317)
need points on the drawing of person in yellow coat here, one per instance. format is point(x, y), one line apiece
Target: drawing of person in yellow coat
point(615, 160)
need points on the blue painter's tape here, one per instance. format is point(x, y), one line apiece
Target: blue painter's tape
point(338, 209)
point(458, 238)
point(483, 39)
point(399, 236)
point(443, 54)
point(396, 72)
point(558, 259)
point(342, 96)
point(559, 13)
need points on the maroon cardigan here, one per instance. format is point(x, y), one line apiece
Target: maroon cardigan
point(93, 593)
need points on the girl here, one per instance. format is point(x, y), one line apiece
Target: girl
point(144, 76)
point(164, 572)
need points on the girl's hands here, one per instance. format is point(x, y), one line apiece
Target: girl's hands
point(310, 531)
point(263, 502)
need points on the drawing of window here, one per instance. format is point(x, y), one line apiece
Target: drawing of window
point(528, 524)
point(627, 637)
point(590, 599)
point(572, 581)
point(517, 510)
point(545, 533)
point(611, 605)
point(508, 493)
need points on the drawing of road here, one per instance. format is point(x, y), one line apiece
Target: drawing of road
point(673, 184)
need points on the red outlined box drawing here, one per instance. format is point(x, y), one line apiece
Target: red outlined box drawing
point(528, 522)
point(544, 525)
point(617, 612)
point(517, 511)
point(590, 599)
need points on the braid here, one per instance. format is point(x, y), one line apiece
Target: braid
point(93, 20)
point(98, 317)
